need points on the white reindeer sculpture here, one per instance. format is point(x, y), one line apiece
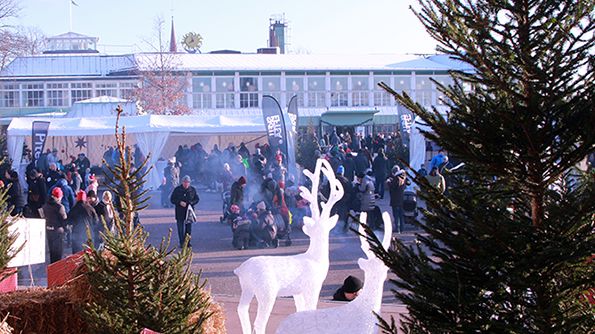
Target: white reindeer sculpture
point(299, 275)
point(356, 316)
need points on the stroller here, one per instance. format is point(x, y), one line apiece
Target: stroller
point(409, 206)
point(226, 197)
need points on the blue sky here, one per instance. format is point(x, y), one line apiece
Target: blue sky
point(316, 26)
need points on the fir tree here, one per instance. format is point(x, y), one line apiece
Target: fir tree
point(7, 239)
point(135, 285)
point(505, 251)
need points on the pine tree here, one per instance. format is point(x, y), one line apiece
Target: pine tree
point(135, 285)
point(505, 251)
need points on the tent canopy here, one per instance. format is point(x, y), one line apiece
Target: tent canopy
point(151, 132)
point(94, 126)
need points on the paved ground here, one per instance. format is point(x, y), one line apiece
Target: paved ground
point(216, 258)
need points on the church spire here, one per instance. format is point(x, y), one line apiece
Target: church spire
point(172, 39)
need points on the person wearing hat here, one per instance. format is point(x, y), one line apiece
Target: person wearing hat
point(81, 217)
point(55, 221)
point(397, 183)
point(171, 179)
point(350, 289)
point(237, 193)
point(183, 197)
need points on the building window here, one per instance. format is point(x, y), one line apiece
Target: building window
point(33, 95)
point(9, 95)
point(272, 86)
point(224, 96)
point(80, 91)
point(201, 93)
point(445, 80)
point(127, 90)
point(295, 86)
point(57, 94)
point(248, 92)
point(316, 92)
point(359, 91)
point(106, 89)
point(339, 92)
point(423, 90)
point(381, 97)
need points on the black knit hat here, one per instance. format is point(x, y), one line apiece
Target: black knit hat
point(352, 284)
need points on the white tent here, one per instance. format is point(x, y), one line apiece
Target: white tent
point(101, 106)
point(149, 132)
point(417, 141)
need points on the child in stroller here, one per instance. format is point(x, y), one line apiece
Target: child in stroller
point(226, 198)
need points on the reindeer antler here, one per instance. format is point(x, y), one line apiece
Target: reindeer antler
point(388, 230)
point(363, 219)
point(322, 167)
point(386, 239)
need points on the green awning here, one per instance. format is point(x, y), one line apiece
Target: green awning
point(348, 117)
point(308, 121)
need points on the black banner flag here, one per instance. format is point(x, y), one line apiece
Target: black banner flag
point(39, 134)
point(274, 124)
point(291, 117)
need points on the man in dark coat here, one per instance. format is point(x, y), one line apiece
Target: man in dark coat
point(237, 193)
point(81, 216)
point(183, 197)
point(380, 168)
point(55, 221)
point(82, 163)
point(397, 184)
point(361, 162)
point(16, 197)
point(53, 175)
point(37, 193)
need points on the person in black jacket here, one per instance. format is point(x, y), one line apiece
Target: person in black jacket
point(16, 196)
point(182, 197)
point(55, 221)
point(380, 168)
point(397, 184)
point(81, 216)
point(37, 193)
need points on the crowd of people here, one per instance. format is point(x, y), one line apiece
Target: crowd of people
point(261, 199)
point(66, 195)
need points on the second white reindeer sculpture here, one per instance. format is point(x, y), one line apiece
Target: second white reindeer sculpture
point(356, 316)
point(301, 275)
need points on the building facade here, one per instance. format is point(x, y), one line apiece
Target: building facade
point(227, 84)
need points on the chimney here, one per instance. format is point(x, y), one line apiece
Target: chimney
point(173, 48)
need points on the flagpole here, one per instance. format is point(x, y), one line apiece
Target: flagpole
point(69, 15)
